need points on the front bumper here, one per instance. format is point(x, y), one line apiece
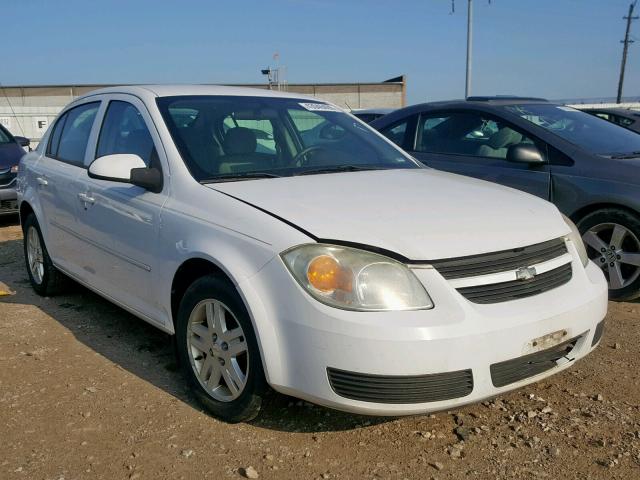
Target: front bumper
point(301, 339)
point(8, 200)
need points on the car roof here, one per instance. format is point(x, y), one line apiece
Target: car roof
point(381, 111)
point(479, 103)
point(187, 89)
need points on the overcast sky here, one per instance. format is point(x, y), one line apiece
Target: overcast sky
point(550, 48)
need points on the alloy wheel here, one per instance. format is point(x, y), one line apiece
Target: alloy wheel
point(616, 250)
point(34, 255)
point(218, 350)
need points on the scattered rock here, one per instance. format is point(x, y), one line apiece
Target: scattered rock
point(617, 346)
point(598, 398)
point(188, 453)
point(553, 451)
point(437, 465)
point(249, 472)
point(462, 433)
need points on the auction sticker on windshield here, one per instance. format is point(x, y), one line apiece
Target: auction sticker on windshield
point(320, 107)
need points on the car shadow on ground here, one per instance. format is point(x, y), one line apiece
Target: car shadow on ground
point(147, 352)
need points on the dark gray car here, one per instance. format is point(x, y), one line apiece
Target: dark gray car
point(620, 116)
point(588, 167)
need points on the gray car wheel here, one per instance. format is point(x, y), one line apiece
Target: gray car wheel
point(612, 239)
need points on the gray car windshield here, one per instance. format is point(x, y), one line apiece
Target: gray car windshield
point(587, 131)
point(229, 138)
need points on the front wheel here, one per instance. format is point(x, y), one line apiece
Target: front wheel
point(218, 351)
point(612, 238)
point(44, 277)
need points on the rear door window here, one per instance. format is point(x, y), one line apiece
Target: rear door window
point(75, 127)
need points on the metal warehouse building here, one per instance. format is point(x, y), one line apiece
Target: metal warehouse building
point(28, 110)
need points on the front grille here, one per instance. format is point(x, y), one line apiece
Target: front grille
point(597, 335)
point(8, 205)
point(515, 289)
point(401, 389)
point(516, 369)
point(502, 261)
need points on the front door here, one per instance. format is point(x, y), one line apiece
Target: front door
point(121, 221)
point(473, 144)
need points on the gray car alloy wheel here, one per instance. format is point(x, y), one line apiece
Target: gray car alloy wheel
point(616, 250)
point(34, 255)
point(217, 349)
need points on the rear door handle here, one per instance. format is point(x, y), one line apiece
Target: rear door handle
point(42, 181)
point(86, 198)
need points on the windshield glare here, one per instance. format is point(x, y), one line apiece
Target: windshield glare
point(234, 137)
point(587, 131)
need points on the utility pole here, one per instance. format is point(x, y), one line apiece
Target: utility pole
point(467, 86)
point(625, 48)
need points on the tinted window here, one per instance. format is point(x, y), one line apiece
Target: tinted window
point(236, 136)
point(587, 131)
point(4, 136)
point(467, 133)
point(75, 133)
point(396, 133)
point(54, 138)
point(124, 131)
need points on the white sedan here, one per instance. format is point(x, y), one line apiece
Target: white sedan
point(331, 267)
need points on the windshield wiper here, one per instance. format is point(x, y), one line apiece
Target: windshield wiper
point(235, 177)
point(339, 168)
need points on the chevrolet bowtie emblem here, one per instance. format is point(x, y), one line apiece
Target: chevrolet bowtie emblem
point(525, 273)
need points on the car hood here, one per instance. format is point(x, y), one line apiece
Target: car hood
point(421, 214)
point(10, 155)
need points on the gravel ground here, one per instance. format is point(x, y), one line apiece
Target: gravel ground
point(89, 391)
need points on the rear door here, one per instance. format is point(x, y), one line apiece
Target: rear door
point(476, 144)
point(120, 221)
point(57, 181)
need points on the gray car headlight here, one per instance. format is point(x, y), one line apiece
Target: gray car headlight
point(575, 238)
point(354, 279)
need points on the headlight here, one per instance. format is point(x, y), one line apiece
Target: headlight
point(576, 239)
point(14, 169)
point(354, 279)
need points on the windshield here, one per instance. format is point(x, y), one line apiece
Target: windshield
point(233, 138)
point(587, 131)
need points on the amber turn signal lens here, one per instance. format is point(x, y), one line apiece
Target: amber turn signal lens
point(325, 274)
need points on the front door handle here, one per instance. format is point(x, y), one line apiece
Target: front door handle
point(42, 181)
point(86, 198)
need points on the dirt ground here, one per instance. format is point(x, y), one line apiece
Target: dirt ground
point(89, 391)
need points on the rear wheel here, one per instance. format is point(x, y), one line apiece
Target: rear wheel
point(45, 278)
point(218, 350)
point(612, 238)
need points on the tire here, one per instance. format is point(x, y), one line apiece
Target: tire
point(201, 350)
point(600, 231)
point(44, 277)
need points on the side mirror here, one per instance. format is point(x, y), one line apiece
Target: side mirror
point(126, 168)
point(115, 168)
point(524, 153)
point(23, 141)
